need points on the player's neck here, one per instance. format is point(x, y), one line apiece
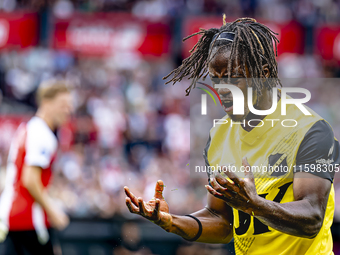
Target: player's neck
point(265, 103)
point(47, 118)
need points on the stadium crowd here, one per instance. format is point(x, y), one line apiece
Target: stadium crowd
point(128, 127)
point(308, 12)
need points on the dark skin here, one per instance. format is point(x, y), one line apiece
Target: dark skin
point(218, 73)
point(302, 217)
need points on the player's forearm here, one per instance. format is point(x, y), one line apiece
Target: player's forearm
point(298, 218)
point(215, 229)
point(36, 190)
point(39, 195)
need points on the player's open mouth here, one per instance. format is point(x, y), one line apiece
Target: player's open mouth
point(227, 105)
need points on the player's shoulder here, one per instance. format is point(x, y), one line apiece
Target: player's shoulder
point(316, 125)
point(319, 137)
point(322, 128)
point(41, 143)
point(38, 130)
point(220, 124)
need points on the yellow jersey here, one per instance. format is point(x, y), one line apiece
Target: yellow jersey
point(277, 150)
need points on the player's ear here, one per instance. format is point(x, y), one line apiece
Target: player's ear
point(265, 70)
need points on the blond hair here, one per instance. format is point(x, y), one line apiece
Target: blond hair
point(50, 89)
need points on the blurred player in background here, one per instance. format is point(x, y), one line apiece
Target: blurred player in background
point(282, 212)
point(26, 209)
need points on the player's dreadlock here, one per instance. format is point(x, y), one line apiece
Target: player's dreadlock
point(252, 46)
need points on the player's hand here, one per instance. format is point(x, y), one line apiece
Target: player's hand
point(3, 231)
point(156, 210)
point(58, 218)
point(240, 193)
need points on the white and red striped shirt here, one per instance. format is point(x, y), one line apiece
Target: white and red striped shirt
point(34, 144)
